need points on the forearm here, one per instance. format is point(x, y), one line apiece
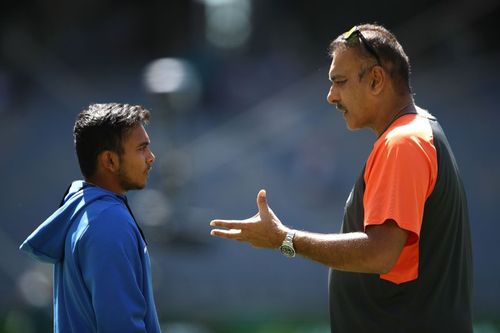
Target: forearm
point(353, 252)
point(374, 251)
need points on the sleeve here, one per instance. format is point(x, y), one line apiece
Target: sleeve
point(399, 177)
point(113, 273)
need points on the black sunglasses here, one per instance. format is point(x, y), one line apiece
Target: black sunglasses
point(354, 34)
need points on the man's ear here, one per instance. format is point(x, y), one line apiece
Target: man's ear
point(109, 161)
point(378, 80)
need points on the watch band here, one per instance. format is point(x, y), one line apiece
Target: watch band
point(286, 247)
point(289, 237)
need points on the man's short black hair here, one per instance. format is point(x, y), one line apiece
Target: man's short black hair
point(102, 127)
point(391, 54)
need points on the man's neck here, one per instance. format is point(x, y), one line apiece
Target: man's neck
point(106, 183)
point(392, 111)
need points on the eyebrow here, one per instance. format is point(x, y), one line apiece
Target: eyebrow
point(336, 77)
point(143, 144)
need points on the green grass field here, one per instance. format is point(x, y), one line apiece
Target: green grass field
point(41, 322)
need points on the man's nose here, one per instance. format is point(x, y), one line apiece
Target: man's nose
point(152, 158)
point(332, 96)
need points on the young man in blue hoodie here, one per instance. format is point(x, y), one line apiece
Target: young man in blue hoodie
point(102, 274)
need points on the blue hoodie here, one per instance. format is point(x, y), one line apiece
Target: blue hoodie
point(102, 274)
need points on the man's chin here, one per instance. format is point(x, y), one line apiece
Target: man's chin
point(131, 187)
point(351, 127)
point(140, 187)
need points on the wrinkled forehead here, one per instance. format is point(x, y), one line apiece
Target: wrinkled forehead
point(344, 61)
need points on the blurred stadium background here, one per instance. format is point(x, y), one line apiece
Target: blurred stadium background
point(237, 92)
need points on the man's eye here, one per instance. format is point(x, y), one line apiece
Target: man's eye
point(339, 82)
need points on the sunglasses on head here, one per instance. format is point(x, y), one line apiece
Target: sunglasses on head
point(354, 35)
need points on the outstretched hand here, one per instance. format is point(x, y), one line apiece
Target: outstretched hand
point(264, 229)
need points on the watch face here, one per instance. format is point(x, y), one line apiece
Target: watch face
point(287, 251)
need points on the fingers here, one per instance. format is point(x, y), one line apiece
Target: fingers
point(262, 203)
point(228, 224)
point(230, 234)
point(234, 229)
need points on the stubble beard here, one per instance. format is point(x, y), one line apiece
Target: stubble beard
point(127, 184)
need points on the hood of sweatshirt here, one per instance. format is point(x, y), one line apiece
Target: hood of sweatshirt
point(46, 243)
